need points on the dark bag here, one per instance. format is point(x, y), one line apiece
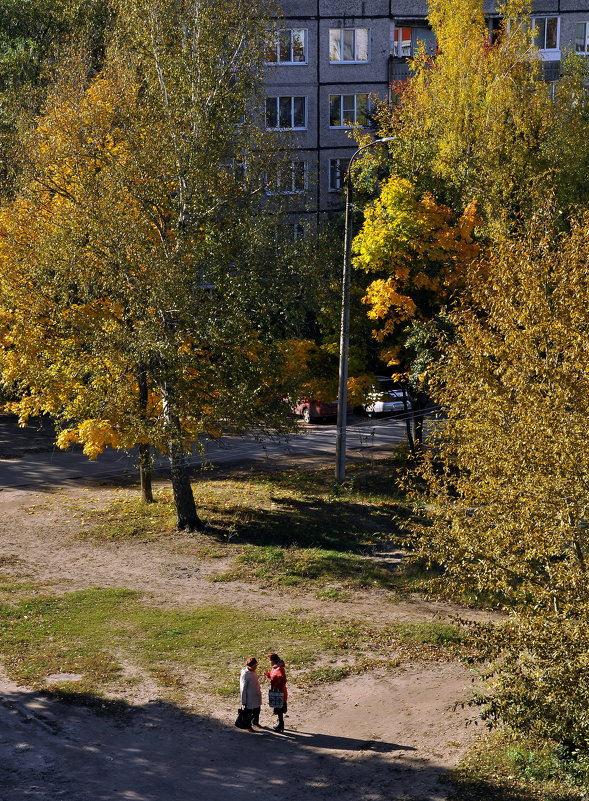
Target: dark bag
point(276, 699)
point(243, 719)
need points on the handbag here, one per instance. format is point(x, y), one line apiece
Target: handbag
point(276, 699)
point(243, 718)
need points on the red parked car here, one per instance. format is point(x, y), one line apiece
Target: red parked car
point(313, 411)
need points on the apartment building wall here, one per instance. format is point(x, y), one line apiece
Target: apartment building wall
point(320, 79)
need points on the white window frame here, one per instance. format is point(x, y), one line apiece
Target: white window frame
point(292, 126)
point(277, 44)
point(345, 123)
point(299, 231)
point(546, 18)
point(398, 44)
point(354, 60)
point(336, 165)
point(584, 52)
point(275, 180)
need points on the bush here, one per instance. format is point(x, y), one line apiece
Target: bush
point(538, 677)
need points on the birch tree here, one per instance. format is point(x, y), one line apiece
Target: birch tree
point(138, 269)
point(477, 120)
point(508, 473)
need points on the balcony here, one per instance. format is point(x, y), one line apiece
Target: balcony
point(551, 70)
point(398, 69)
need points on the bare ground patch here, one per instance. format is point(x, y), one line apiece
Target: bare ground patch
point(383, 735)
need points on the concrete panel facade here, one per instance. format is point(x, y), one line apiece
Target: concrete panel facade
point(393, 29)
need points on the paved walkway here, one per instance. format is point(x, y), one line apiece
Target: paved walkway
point(41, 464)
point(15, 441)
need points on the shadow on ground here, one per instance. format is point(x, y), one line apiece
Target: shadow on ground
point(314, 523)
point(37, 436)
point(81, 751)
point(310, 513)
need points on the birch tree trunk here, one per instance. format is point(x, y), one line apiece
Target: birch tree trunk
point(188, 519)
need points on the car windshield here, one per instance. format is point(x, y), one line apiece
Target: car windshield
point(387, 386)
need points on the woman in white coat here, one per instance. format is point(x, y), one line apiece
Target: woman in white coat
point(251, 694)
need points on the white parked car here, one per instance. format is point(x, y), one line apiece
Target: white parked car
point(385, 398)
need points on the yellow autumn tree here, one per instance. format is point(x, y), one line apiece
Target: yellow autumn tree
point(508, 474)
point(473, 130)
point(477, 119)
point(138, 269)
point(420, 252)
point(418, 247)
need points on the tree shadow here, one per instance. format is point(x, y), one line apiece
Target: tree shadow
point(306, 510)
point(312, 523)
point(86, 751)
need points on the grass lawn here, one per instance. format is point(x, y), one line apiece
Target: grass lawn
point(95, 632)
point(292, 528)
point(292, 531)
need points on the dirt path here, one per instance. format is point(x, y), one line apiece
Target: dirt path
point(369, 738)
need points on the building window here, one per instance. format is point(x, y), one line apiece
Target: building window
point(407, 41)
point(402, 39)
point(287, 113)
point(337, 173)
point(287, 46)
point(296, 231)
point(495, 25)
point(546, 32)
point(348, 110)
point(582, 38)
point(237, 168)
point(348, 45)
point(288, 178)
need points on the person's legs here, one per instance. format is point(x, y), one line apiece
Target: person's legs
point(248, 716)
point(256, 717)
point(280, 713)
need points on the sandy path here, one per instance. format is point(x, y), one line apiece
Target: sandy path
point(387, 738)
point(369, 738)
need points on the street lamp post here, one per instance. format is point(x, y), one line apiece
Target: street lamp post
point(342, 395)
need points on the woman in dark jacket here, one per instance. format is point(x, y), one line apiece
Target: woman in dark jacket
point(277, 676)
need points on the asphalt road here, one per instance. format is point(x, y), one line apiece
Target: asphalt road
point(314, 444)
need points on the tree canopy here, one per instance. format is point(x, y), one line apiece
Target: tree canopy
point(138, 262)
point(420, 251)
point(34, 35)
point(508, 473)
point(478, 121)
point(474, 131)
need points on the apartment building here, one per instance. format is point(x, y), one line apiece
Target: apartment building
point(330, 56)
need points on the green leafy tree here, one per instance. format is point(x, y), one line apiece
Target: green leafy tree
point(153, 259)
